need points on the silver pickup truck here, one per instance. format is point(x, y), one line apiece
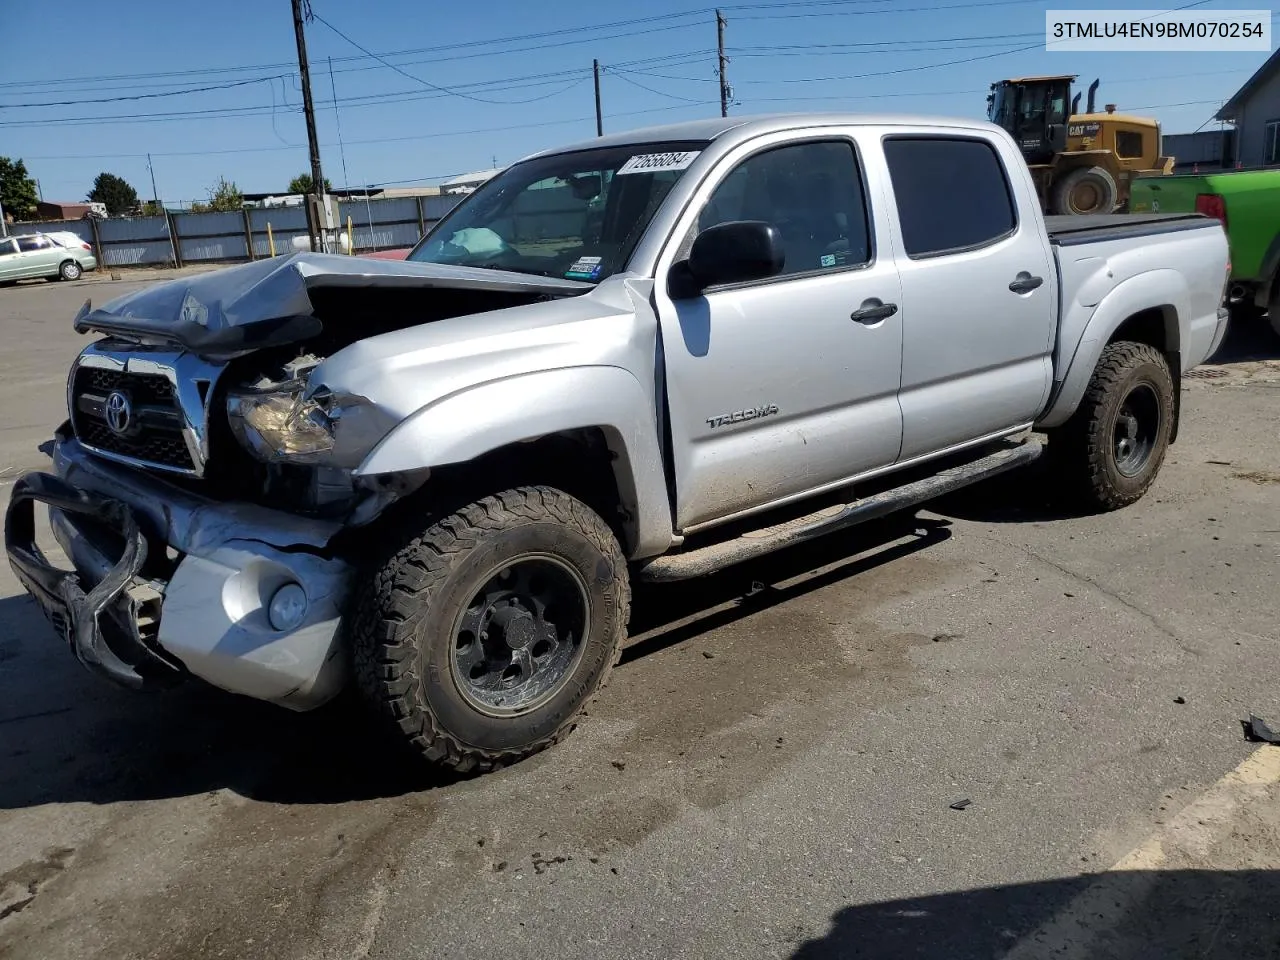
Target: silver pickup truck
point(647, 356)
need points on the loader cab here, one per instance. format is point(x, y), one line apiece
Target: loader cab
point(1034, 110)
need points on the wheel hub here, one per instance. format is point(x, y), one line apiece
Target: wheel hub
point(520, 638)
point(1137, 425)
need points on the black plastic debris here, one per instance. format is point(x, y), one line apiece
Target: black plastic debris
point(1179, 700)
point(960, 804)
point(1257, 731)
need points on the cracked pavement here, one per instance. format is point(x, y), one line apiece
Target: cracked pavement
point(767, 775)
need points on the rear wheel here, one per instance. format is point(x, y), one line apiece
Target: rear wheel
point(482, 637)
point(1084, 191)
point(70, 270)
point(1111, 449)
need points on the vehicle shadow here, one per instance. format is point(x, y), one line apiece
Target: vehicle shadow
point(1030, 494)
point(67, 736)
point(1249, 339)
point(1128, 915)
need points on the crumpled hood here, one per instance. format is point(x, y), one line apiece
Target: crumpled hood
point(266, 303)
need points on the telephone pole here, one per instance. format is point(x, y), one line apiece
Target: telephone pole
point(155, 194)
point(595, 67)
point(724, 81)
point(317, 177)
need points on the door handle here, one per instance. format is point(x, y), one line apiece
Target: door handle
point(873, 311)
point(1025, 283)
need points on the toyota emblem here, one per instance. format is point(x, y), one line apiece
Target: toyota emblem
point(117, 412)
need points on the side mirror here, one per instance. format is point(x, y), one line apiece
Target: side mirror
point(732, 252)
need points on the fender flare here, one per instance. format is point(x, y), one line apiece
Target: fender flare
point(485, 417)
point(1163, 289)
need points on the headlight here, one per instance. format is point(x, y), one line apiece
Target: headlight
point(284, 424)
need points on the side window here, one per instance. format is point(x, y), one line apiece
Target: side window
point(811, 192)
point(952, 194)
point(8, 246)
point(1128, 144)
point(33, 243)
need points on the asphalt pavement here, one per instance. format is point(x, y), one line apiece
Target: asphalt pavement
point(774, 770)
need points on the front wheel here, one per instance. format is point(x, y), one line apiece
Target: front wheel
point(1111, 449)
point(482, 637)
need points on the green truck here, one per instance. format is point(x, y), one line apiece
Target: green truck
point(1248, 204)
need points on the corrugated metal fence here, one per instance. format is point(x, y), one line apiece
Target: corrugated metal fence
point(249, 234)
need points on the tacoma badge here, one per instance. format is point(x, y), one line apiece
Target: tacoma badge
point(738, 416)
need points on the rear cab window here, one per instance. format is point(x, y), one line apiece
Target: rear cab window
point(952, 193)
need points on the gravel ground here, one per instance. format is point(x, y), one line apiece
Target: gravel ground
point(767, 775)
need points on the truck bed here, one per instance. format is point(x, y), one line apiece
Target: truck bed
point(1066, 230)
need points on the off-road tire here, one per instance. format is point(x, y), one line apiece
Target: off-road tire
point(1083, 450)
point(402, 617)
point(70, 270)
point(1101, 180)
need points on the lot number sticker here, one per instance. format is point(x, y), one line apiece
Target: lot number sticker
point(654, 162)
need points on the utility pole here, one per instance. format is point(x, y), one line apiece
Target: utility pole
point(317, 177)
point(724, 81)
point(595, 67)
point(155, 194)
point(4, 226)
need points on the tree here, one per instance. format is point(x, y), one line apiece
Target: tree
point(151, 209)
point(17, 189)
point(225, 197)
point(115, 192)
point(302, 184)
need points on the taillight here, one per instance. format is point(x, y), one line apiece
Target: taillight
point(1212, 205)
point(87, 246)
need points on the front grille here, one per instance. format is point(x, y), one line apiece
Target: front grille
point(154, 433)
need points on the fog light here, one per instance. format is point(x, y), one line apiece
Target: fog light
point(287, 608)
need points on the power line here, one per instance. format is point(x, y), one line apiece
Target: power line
point(379, 140)
point(141, 96)
point(425, 83)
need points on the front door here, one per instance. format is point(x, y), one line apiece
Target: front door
point(774, 388)
point(980, 289)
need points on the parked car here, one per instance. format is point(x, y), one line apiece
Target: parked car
point(1247, 202)
point(44, 255)
point(435, 480)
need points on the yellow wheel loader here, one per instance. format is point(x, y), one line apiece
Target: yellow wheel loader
point(1082, 163)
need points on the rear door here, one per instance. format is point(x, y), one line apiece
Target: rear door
point(40, 256)
point(10, 259)
point(774, 388)
point(979, 288)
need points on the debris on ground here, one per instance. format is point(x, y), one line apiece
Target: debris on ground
point(619, 764)
point(1179, 699)
point(1257, 731)
point(961, 804)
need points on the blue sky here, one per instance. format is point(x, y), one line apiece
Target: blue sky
point(472, 91)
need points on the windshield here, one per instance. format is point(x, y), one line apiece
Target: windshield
point(573, 215)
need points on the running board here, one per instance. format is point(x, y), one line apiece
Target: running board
point(756, 543)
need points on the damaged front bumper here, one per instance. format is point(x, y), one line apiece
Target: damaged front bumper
point(167, 584)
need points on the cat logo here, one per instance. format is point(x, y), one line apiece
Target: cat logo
point(1083, 129)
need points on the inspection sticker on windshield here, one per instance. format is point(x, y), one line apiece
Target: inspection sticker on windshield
point(654, 162)
point(584, 268)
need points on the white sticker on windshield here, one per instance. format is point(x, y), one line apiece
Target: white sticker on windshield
point(654, 162)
